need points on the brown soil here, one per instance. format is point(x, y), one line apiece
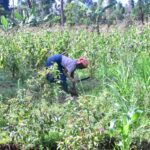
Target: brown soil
point(9, 147)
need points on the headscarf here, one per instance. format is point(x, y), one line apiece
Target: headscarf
point(83, 61)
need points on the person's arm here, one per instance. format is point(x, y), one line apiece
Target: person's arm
point(69, 75)
point(73, 90)
point(72, 76)
point(74, 80)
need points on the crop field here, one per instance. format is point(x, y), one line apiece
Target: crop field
point(112, 110)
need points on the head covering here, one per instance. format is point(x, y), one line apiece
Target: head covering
point(83, 61)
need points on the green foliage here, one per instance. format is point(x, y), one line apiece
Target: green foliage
point(35, 13)
point(142, 8)
point(4, 23)
point(118, 13)
point(18, 16)
point(114, 104)
point(75, 14)
point(52, 19)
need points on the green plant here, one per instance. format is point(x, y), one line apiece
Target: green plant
point(4, 23)
point(112, 110)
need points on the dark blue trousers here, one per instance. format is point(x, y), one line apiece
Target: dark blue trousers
point(57, 59)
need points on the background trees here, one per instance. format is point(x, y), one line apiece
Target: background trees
point(141, 10)
point(79, 12)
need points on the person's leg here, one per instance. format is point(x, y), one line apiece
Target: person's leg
point(62, 77)
point(57, 59)
point(63, 83)
point(50, 61)
point(50, 78)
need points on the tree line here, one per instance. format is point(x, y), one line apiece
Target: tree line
point(80, 12)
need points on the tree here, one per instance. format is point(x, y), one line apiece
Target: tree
point(96, 13)
point(62, 12)
point(101, 9)
point(142, 10)
point(74, 14)
point(131, 4)
point(29, 3)
point(110, 15)
point(119, 12)
point(69, 1)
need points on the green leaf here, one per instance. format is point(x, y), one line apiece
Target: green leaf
point(18, 16)
point(126, 129)
point(135, 116)
point(33, 10)
point(4, 22)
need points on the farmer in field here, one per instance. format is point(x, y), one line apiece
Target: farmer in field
point(66, 67)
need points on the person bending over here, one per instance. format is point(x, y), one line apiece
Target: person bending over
point(66, 67)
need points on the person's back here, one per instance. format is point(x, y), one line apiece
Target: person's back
point(68, 63)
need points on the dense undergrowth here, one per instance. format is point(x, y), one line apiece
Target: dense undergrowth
point(112, 110)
